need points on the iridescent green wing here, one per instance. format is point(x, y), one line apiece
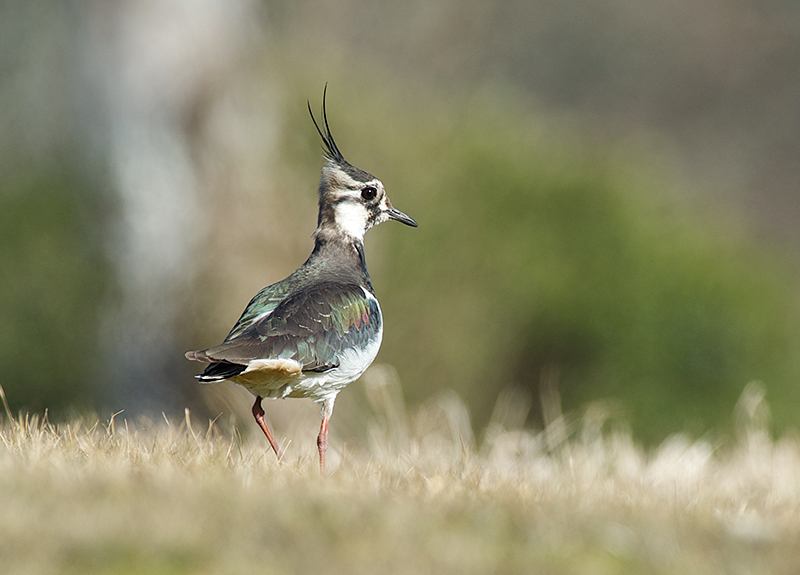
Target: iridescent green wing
point(312, 327)
point(262, 304)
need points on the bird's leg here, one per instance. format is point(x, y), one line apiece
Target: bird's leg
point(258, 413)
point(322, 440)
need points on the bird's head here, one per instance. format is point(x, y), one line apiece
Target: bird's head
point(351, 200)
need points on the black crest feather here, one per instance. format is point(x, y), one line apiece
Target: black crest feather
point(331, 149)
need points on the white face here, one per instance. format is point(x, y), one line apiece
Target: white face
point(358, 205)
point(352, 218)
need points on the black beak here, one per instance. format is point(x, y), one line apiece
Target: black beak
point(395, 214)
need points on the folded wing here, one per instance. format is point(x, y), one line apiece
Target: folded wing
point(311, 328)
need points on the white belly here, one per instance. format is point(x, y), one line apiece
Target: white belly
point(314, 385)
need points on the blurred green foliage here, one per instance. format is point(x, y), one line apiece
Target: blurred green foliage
point(53, 277)
point(536, 253)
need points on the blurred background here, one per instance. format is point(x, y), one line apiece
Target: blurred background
point(606, 191)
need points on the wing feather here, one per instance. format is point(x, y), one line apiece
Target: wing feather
point(312, 327)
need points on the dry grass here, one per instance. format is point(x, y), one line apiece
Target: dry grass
point(417, 497)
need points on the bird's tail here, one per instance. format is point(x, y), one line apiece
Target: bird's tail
point(217, 370)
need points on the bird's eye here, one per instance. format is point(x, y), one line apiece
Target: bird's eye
point(369, 193)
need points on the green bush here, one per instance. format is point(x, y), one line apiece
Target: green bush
point(53, 276)
point(537, 256)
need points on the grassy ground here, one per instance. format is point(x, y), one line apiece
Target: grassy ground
point(417, 497)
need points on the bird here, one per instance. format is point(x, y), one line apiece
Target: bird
point(318, 330)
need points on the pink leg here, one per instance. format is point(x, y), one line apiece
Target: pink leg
point(322, 440)
point(258, 413)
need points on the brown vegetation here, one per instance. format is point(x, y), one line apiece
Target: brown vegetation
point(416, 497)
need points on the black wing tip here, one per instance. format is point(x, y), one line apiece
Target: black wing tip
point(220, 371)
point(322, 368)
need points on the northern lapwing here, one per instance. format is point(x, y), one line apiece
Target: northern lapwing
point(316, 331)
